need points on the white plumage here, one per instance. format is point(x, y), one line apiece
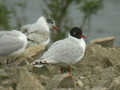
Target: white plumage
point(67, 51)
point(12, 42)
point(38, 32)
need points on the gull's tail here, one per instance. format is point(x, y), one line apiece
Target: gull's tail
point(41, 62)
point(38, 63)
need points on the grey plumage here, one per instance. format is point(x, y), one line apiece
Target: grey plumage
point(67, 51)
point(37, 32)
point(11, 42)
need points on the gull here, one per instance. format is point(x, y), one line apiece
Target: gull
point(38, 32)
point(12, 43)
point(64, 52)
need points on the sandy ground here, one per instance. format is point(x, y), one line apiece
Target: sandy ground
point(99, 70)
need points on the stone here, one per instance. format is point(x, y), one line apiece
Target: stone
point(3, 88)
point(99, 70)
point(115, 85)
point(99, 88)
point(67, 82)
point(30, 54)
point(27, 81)
point(79, 83)
point(106, 42)
point(3, 73)
point(60, 81)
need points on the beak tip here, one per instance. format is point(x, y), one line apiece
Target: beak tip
point(83, 36)
point(56, 28)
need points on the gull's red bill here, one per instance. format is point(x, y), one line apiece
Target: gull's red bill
point(83, 36)
point(56, 28)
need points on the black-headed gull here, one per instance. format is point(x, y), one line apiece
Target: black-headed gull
point(38, 32)
point(12, 42)
point(67, 51)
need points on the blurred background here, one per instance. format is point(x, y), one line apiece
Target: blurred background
point(98, 18)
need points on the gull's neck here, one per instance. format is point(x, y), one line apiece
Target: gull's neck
point(81, 41)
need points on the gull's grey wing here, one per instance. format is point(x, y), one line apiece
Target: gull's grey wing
point(64, 51)
point(2, 33)
point(38, 37)
point(9, 44)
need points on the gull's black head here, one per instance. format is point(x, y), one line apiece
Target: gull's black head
point(77, 33)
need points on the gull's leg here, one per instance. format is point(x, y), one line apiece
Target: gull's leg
point(70, 73)
point(7, 61)
point(61, 69)
point(69, 70)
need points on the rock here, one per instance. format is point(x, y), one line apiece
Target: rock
point(67, 82)
point(7, 59)
point(19, 78)
point(115, 85)
point(5, 79)
point(98, 55)
point(3, 60)
point(65, 89)
point(106, 42)
point(29, 55)
point(35, 50)
point(3, 73)
point(9, 88)
point(27, 81)
point(43, 79)
point(99, 66)
point(117, 68)
point(104, 78)
point(9, 80)
point(60, 81)
point(99, 70)
point(79, 83)
point(99, 88)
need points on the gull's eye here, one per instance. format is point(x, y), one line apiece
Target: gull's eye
point(74, 33)
point(50, 21)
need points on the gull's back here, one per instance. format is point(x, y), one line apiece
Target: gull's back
point(65, 51)
point(11, 41)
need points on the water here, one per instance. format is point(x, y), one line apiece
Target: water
point(105, 23)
